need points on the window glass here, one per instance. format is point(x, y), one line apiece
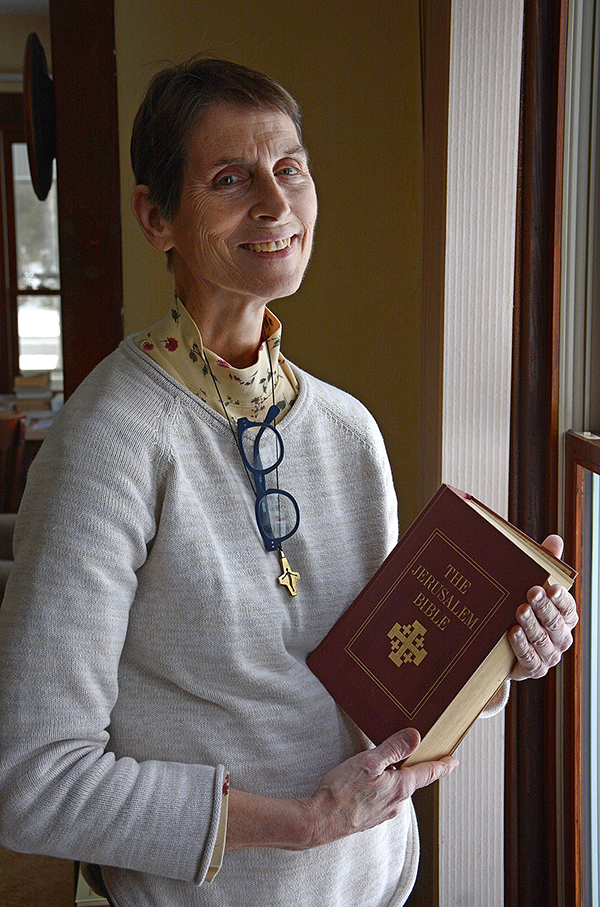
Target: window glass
point(590, 637)
point(37, 229)
point(38, 280)
point(40, 348)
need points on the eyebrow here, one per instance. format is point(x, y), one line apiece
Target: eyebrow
point(228, 161)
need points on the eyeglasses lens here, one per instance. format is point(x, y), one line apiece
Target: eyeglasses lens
point(277, 514)
point(262, 447)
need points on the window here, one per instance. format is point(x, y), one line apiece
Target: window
point(38, 282)
point(31, 323)
point(580, 422)
point(590, 638)
point(582, 679)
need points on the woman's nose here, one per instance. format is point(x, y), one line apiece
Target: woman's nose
point(270, 200)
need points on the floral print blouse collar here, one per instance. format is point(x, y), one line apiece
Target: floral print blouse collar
point(176, 345)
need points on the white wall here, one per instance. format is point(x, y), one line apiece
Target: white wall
point(485, 63)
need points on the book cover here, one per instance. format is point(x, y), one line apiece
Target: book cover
point(424, 644)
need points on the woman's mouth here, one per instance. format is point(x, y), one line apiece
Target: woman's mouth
point(271, 246)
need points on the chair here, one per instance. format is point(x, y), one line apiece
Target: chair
point(7, 525)
point(13, 464)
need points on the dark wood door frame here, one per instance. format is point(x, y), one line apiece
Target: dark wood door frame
point(435, 61)
point(435, 56)
point(12, 129)
point(582, 452)
point(89, 201)
point(532, 845)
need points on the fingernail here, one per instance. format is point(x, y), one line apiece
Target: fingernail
point(557, 596)
point(520, 635)
point(527, 615)
point(411, 737)
point(538, 598)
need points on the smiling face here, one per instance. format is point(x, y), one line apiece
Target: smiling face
point(244, 226)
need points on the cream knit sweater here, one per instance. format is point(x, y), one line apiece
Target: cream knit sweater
point(145, 643)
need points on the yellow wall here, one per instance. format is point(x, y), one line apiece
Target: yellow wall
point(355, 68)
point(13, 35)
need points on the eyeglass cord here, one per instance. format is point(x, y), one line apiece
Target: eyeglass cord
point(289, 578)
point(224, 408)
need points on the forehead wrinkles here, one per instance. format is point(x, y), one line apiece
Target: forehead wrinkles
point(241, 143)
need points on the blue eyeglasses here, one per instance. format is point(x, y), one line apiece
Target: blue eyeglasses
point(261, 449)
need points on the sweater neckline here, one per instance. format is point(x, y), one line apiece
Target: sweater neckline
point(288, 422)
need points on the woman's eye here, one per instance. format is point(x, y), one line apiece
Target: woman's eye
point(228, 179)
point(288, 170)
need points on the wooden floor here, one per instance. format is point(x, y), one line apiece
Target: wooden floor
point(31, 881)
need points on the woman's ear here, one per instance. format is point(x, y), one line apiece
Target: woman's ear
point(155, 228)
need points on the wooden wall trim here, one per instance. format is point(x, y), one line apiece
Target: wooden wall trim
point(435, 26)
point(89, 203)
point(12, 129)
point(572, 681)
point(531, 751)
point(435, 57)
point(581, 453)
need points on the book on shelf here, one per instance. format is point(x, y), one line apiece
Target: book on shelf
point(35, 382)
point(32, 393)
point(32, 404)
point(425, 643)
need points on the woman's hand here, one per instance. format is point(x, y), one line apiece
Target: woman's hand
point(545, 625)
point(369, 788)
point(362, 792)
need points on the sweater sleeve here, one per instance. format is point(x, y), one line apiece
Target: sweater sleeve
point(87, 517)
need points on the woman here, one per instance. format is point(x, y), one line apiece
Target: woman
point(154, 634)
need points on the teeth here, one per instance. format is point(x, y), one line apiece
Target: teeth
point(270, 246)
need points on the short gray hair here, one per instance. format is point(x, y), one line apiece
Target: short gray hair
point(174, 104)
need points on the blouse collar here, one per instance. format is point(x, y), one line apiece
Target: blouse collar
point(176, 345)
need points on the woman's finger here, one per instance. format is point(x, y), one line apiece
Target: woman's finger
point(564, 602)
point(396, 748)
point(529, 663)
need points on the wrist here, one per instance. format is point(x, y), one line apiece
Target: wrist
point(309, 823)
point(256, 821)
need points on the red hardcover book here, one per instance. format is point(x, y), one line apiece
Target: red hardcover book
point(424, 645)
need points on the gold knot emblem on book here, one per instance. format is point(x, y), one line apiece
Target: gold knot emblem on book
point(407, 643)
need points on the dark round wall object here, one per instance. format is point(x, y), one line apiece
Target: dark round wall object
point(40, 129)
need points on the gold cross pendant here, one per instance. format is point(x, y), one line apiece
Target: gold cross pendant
point(288, 578)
